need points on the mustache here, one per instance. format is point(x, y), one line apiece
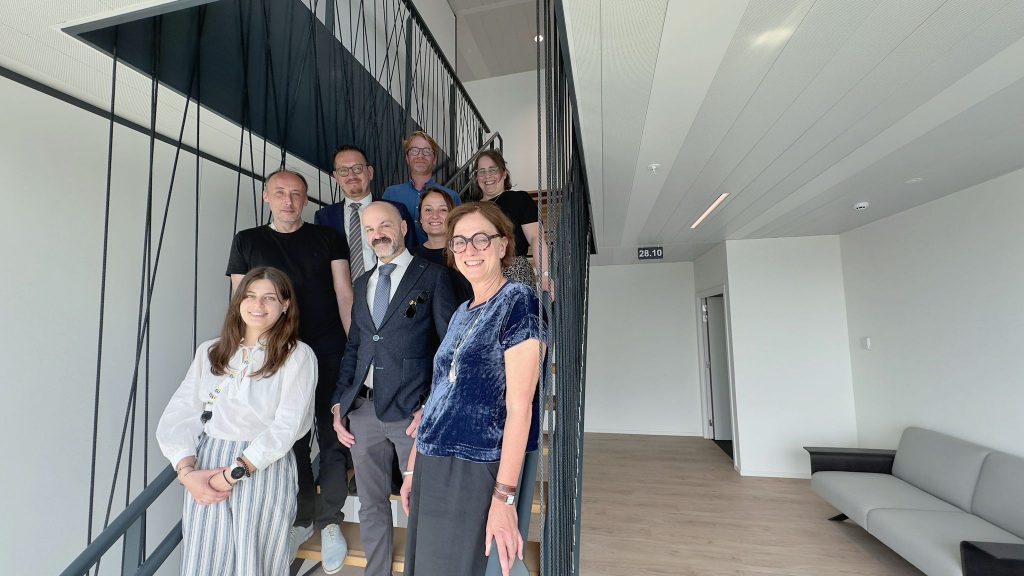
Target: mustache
point(381, 241)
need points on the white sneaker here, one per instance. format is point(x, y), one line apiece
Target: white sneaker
point(333, 548)
point(297, 536)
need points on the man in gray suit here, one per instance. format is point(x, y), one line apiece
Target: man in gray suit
point(399, 317)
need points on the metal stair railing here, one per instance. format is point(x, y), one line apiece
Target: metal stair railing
point(130, 525)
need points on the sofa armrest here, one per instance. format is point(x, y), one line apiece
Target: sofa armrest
point(851, 460)
point(991, 558)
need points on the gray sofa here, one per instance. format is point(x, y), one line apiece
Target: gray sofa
point(941, 497)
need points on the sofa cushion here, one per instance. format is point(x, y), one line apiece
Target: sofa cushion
point(857, 493)
point(931, 540)
point(941, 465)
point(999, 497)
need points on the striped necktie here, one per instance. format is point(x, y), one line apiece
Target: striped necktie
point(382, 297)
point(355, 241)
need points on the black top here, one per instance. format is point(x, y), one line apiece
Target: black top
point(520, 209)
point(463, 289)
point(305, 256)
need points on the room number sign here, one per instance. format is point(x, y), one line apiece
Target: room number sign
point(651, 253)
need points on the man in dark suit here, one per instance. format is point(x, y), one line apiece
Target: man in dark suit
point(354, 175)
point(399, 317)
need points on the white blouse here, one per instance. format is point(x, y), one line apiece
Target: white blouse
point(271, 413)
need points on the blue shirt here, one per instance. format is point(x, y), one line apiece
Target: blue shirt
point(466, 419)
point(408, 194)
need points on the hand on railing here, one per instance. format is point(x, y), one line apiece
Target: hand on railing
point(198, 484)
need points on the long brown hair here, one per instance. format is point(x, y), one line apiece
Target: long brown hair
point(475, 193)
point(280, 339)
point(494, 215)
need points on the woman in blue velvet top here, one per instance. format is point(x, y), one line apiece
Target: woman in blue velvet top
point(482, 415)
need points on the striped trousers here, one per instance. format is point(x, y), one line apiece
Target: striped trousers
point(247, 534)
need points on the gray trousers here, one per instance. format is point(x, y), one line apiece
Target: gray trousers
point(372, 455)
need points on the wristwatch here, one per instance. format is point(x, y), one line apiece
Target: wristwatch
point(505, 497)
point(238, 472)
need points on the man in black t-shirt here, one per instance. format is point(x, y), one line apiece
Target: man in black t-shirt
point(316, 259)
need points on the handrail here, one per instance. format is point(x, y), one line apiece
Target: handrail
point(488, 144)
point(163, 550)
point(444, 60)
point(120, 525)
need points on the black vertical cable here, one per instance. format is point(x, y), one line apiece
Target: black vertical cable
point(195, 241)
point(103, 288)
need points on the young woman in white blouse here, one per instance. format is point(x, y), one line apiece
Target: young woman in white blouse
point(229, 430)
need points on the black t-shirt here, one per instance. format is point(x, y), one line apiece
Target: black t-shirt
point(520, 209)
point(305, 256)
point(463, 289)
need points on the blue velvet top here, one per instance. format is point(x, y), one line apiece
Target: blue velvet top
point(466, 419)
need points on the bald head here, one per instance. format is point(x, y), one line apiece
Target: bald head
point(385, 230)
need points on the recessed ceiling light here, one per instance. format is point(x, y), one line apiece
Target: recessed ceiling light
point(861, 206)
point(538, 38)
point(710, 209)
point(914, 181)
point(653, 167)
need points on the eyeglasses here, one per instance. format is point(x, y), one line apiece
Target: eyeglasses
point(484, 172)
point(425, 152)
point(420, 299)
point(356, 169)
point(480, 240)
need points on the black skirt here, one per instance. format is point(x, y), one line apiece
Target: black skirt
point(448, 517)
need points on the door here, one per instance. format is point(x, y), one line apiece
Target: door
point(718, 369)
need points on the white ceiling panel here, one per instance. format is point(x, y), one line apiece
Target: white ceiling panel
point(629, 55)
point(867, 110)
point(987, 138)
point(725, 100)
point(702, 31)
point(498, 35)
point(812, 106)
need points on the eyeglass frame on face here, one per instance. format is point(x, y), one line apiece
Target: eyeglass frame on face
point(486, 241)
point(343, 171)
point(485, 172)
point(426, 151)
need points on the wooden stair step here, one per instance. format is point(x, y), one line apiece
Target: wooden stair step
point(393, 498)
point(310, 550)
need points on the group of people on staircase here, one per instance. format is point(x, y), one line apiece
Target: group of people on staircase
point(402, 329)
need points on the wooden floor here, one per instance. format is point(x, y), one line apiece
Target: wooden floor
point(660, 505)
point(671, 506)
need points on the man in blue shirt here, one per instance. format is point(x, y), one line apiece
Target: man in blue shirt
point(421, 157)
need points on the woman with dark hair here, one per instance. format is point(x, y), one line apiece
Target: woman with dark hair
point(493, 183)
point(482, 416)
point(435, 205)
point(229, 429)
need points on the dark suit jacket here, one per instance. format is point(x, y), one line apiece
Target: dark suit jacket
point(402, 349)
point(335, 217)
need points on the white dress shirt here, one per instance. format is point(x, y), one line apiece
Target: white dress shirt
point(401, 263)
point(369, 258)
point(271, 413)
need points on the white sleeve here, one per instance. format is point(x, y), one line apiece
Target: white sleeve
point(294, 414)
point(179, 427)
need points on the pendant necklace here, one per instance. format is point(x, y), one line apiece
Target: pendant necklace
point(235, 375)
point(453, 371)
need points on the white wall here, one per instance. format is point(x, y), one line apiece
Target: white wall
point(790, 346)
point(939, 289)
point(642, 369)
point(53, 165)
point(711, 270)
point(509, 105)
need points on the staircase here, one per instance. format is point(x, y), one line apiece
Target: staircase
point(310, 550)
